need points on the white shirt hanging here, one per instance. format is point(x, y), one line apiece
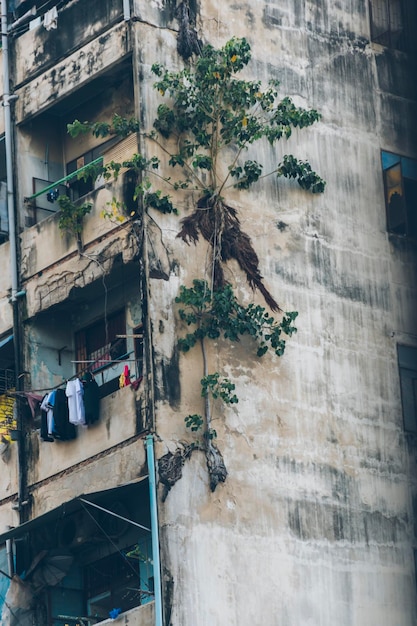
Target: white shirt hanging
point(50, 19)
point(74, 392)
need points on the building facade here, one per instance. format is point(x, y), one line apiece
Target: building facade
point(316, 520)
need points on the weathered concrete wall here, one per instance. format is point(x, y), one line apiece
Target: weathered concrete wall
point(117, 422)
point(142, 616)
point(314, 524)
point(117, 467)
point(8, 485)
point(107, 470)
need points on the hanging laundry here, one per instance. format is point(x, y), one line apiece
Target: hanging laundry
point(33, 401)
point(47, 416)
point(62, 428)
point(91, 398)
point(124, 379)
point(50, 19)
point(135, 384)
point(74, 393)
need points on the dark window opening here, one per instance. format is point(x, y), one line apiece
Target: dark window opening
point(400, 180)
point(78, 187)
point(119, 580)
point(407, 361)
point(130, 180)
point(388, 23)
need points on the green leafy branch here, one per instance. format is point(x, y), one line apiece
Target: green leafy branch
point(215, 386)
point(218, 387)
point(213, 109)
point(219, 314)
point(71, 216)
point(119, 125)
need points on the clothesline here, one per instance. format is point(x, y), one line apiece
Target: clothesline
point(65, 380)
point(106, 361)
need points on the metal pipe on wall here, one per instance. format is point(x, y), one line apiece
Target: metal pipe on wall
point(8, 146)
point(154, 529)
point(126, 10)
point(9, 553)
point(7, 98)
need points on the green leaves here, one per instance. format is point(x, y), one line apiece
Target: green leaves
point(218, 387)
point(211, 108)
point(71, 215)
point(120, 126)
point(220, 314)
point(194, 422)
point(159, 202)
point(247, 175)
point(301, 170)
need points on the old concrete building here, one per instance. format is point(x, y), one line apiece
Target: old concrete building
point(316, 522)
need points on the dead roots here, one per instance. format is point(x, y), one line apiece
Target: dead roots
point(170, 466)
point(219, 224)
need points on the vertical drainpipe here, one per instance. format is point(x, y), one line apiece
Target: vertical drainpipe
point(8, 145)
point(154, 528)
point(9, 553)
point(12, 243)
point(126, 10)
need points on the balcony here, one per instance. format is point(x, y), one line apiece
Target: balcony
point(78, 23)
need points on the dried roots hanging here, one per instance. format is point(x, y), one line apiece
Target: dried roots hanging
point(187, 41)
point(170, 467)
point(219, 225)
point(215, 465)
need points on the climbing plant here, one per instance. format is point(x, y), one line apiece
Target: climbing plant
point(206, 128)
point(71, 216)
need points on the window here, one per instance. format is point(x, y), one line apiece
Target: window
point(120, 580)
point(407, 361)
point(80, 187)
point(99, 348)
point(400, 180)
point(55, 158)
point(387, 23)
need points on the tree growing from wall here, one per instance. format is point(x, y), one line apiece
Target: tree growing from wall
point(205, 129)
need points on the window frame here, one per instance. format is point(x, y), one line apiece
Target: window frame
point(407, 368)
point(102, 354)
point(407, 225)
